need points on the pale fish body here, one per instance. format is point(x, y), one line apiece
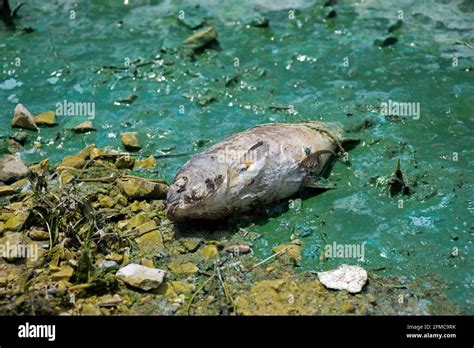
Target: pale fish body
point(261, 165)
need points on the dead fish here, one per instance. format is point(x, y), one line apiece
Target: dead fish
point(261, 165)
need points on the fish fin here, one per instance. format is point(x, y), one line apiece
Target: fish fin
point(321, 183)
point(350, 143)
point(256, 145)
point(313, 157)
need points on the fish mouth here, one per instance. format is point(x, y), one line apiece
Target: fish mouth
point(182, 206)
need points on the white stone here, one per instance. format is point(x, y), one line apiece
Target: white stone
point(350, 278)
point(142, 277)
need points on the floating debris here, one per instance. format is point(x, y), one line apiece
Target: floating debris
point(127, 100)
point(84, 127)
point(397, 183)
point(332, 14)
point(387, 42)
point(202, 38)
point(398, 24)
point(259, 22)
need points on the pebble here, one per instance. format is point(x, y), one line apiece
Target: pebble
point(141, 277)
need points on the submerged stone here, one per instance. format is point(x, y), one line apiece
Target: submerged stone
point(130, 141)
point(84, 127)
point(47, 118)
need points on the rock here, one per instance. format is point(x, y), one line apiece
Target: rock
point(239, 249)
point(64, 273)
point(130, 141)
point(6, 191)
point(141, 189)
point(74, 161)
point(147, 227)
point(182, 268)
point(105, 201)
point(209, 252)
point(109, 300)
point(147, 163)
point(66, 177)
point(3, 280)
point(89, 309)
point(108, 266)
point(150, 242)
point(16, 220)
point(84, 127)
point(182, 287)
point(115, 257)
point(12, 168)
point(23, 118)
point(201, 38)
point(47, 119)
point(141, 277)
point(124, 162)
point(191, 244)
point(22, 185)
point(13, 146)
point(350, 278)
point(97, 153)
point(20, 137)
point(147, 263)
point(137, 220)
point(39, 235)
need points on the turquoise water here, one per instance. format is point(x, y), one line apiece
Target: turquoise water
point(326, 69)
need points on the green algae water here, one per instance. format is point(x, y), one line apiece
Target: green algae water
point(412, 100)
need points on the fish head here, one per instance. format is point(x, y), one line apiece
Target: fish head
point(193, 195)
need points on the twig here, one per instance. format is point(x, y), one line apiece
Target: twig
point(188, 307)
point(270, 257)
